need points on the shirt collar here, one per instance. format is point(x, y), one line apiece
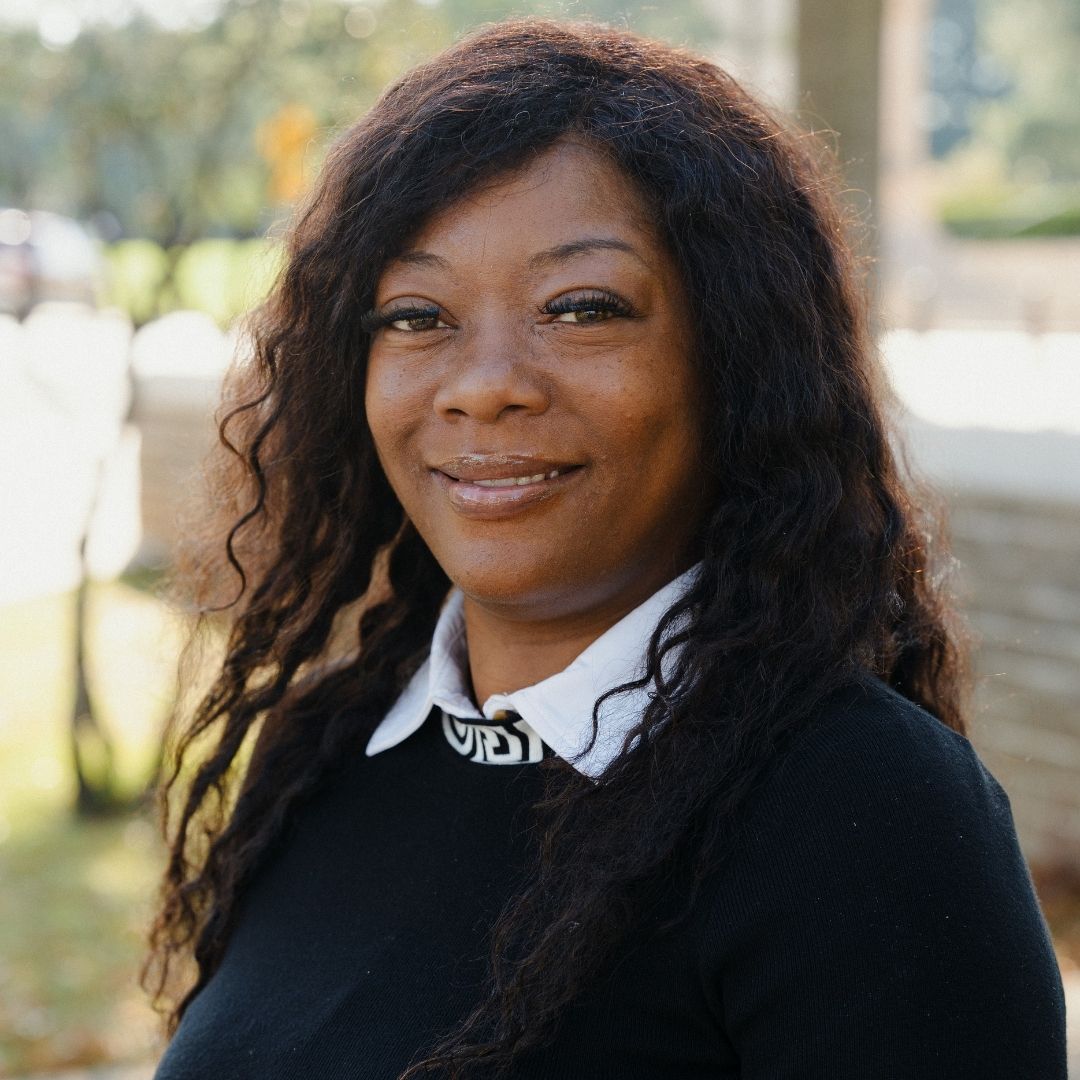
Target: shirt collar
point(559, 709)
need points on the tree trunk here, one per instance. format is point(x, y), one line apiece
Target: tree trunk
point(91, 747)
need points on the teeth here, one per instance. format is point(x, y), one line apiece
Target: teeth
point(516, 481)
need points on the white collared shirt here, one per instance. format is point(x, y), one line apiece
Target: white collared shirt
point(558, 709)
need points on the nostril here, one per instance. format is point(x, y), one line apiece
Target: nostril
point(485, 391)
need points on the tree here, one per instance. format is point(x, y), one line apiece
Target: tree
point(1035, 128)
point(158, 130)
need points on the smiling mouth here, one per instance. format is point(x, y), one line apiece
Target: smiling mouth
point(514, 481)
point(489, 486)
point(502, 470)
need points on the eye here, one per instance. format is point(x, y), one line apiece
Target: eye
point(416, 322)
point(409, 320)
point(592, 306)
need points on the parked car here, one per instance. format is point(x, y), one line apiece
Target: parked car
point(45, 256)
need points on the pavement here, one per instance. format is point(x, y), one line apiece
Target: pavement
point(105, 1072)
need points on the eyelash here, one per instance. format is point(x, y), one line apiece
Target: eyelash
point(599, 300)
point(593, 300)
point(375, 320)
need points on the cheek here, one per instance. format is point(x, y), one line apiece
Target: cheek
point(656, 450)
point(653, 419)
point(659, 460)
point(394, 407)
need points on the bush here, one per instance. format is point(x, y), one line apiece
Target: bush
point(1002, 213)
point(226, 278)
point(137, 271)
point(221, 277)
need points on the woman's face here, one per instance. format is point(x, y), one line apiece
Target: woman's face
point(531, 392)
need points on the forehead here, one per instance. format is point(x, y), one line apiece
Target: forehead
point(567, 193)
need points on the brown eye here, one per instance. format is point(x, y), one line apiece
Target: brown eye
point(409, 320)
point(592, 306)
point(416, 322)
point(585, 315)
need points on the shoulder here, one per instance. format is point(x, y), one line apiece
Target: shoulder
point(870, 753)
point(877, 802)
point(876, 916)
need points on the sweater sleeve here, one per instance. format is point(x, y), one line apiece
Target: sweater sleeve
point(877, 919)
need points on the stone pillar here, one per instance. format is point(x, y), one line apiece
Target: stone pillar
point(838, 46)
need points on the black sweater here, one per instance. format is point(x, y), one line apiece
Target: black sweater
point(876, 922)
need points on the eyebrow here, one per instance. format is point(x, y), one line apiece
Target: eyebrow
point(421, 258)
point(562, 252)
point(557, 254)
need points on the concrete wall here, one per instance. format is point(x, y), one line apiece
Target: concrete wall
point(1020, 575)
point(175, 418)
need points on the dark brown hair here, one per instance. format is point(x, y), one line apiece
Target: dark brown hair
point(817, 564)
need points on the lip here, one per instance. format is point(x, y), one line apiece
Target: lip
point(458, 478)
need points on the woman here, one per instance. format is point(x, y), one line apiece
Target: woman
point(606, 704)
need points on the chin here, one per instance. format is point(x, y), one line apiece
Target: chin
point(541, 590)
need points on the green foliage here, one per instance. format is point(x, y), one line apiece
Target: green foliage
point(1064, 223)
point(157, 132)
point(1019, 174)
point(224, 278)
point(71, 942)
point(999, 212)
point(1036, 128)
point(132, 644)
point(137, 271)
point(173, 137)
point(75, 896)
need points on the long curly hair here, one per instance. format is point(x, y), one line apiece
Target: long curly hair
point(822, 563)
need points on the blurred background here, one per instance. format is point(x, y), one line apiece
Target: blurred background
point(150, 151)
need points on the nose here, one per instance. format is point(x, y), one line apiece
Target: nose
point(493, 374)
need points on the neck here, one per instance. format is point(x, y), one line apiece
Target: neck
point(509, 650)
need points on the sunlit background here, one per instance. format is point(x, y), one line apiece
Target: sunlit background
point(150, 151)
